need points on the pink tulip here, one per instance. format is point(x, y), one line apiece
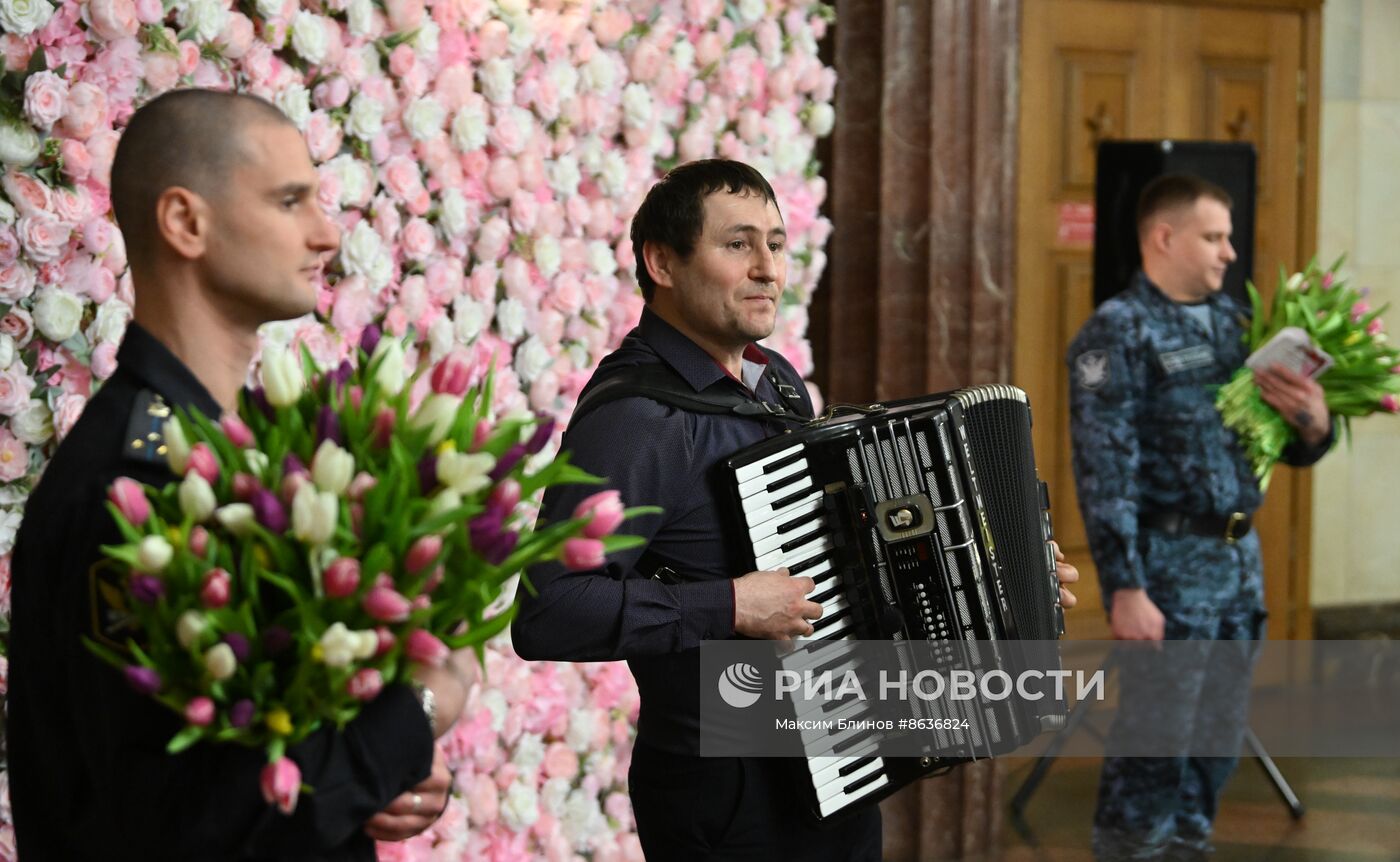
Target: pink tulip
point(386, 605)
point(1390, 404)
point(603, 512)
point(1375, 327)
point(281, 783)
point(386, 640)
point(244, 486)
point(199, 711)
point(452, 375)
point(342, 577)
point(505, 495)
point(238, 433)
point(199, 541)
point(291, 483)
point(365, 684)
point(423, 553)
point(384, 427)
point(130, 499)
point(215, 590)
point(583, 554)
point(203, 462)
point(1359, 310)
point(360, 486)
point(480, 434)
point(425, 649)
point(1327, 281)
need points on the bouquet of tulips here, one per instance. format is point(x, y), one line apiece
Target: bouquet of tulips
point(1363, 379)
point(327, 538)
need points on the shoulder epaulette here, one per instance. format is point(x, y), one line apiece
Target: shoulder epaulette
point(144, 440)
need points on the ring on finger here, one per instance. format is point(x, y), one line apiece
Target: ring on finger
point(417, 803)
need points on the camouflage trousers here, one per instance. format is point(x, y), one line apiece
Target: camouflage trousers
point(1162, 808)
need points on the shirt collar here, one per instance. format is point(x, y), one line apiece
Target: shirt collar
point(691, 362)
point(143, 356)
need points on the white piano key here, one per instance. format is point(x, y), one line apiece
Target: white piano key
point(841, 628)
point(819, 740)
point(761, 483)
point(806, 507)
point(748, 471)
point(844, 800)
point(772, 543)
point(827, 767)
point(837, 786)
point(760, 505)
point(779, 558)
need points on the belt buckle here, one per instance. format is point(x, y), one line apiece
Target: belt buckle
point(1236, 518)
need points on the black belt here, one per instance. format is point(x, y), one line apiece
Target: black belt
point(1231, 528)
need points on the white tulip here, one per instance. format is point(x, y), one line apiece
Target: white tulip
point(153, 554)
point(332, 467)
point(197, 498)
point(189, 628)
point(220, 661)
point(177, 447)
point(237, 518)
point(390, 372)
point(465, 473)
point(282, 378)
point(438, 411)
point(314, 515)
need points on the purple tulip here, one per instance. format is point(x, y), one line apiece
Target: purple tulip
point(490, 539)
point(241, 713)
point(540, 438)
point(269, 511)
point(427, 473)
point(275, 639)
point(369, 338)
point(328, 426)
point(240, 646)
point(507, 462)
point(292, 465)
point(259, 398)
point(147, 589)
point(342, 373)
point(142, 680)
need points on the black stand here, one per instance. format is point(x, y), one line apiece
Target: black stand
point(1077, 716)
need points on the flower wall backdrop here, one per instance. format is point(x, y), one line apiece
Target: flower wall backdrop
point(484, 158)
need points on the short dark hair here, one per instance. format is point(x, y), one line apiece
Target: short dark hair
point(1171, 191)
point(187, 138)
point(673, 213)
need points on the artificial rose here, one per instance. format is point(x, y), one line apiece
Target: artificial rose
point(22, 17)
point(45, 95)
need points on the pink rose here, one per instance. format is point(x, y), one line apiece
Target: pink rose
point(9, 246)
point(237, 36)
point(14, 457)
point(150, 11)
point(524, 212)
point(72, 206)
point(610, 25)
point(560, 761)
point(97, 236)
point(77, 164)
point(65, 416)
point(483, 800)
point(323, 136)
point(492, 241)
point(29, 196)
point(104, 360)
point(85, 112)
point(417, 239)
point(645, 61)
point(503, 178)
point(45, 95)
point(102, 146)
point(161, 70)
point(493, 40)
point(44, 238)
point(515, 275)
point(18, 324)
point(443, 278)
point(404, 15)
point(113, 19)
point(332, 93)
point(403, 180)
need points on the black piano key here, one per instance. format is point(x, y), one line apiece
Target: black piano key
point(778, 465)
point(790, 498)
point(786, 480)
point(853, 741)
point(861, 782)
point(799, 568)
point(799, 521)
point(798, 542)
point(822, 623)
point(819, 598)
point(857, 765)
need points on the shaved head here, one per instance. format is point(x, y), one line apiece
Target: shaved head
point(192, 139)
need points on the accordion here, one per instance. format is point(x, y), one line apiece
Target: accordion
point(922, 522)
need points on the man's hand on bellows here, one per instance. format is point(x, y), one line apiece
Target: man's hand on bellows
point(772, 605)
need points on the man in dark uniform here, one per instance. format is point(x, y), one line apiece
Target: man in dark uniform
point(216, 197)
point(1167, 497)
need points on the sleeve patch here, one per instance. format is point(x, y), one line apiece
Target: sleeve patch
point(1091, 369)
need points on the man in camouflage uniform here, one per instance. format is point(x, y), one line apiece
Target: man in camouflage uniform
point(1167, 497)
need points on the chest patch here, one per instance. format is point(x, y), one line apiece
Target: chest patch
point(113, 622)
point(1091, 368)
point(1187, 358)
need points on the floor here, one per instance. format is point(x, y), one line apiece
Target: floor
point(1352, 813)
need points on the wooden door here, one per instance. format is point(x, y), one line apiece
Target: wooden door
point(1107, 69)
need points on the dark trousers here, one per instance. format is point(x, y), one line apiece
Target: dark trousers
point(731, 809)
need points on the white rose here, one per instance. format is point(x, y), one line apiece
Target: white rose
point(111, 320)
point(522, 34)
point(529, 751)
point(579, 736)
point(683, 53)
point(425, 44)
point(360, 14)
point(309, 36)
point(206, 17)
point(19, 143)
point(369, 60)
point(512, 7)
point(452, 217)
point(582, 817)
point(498, 80)
point(354, 179)
point(520, 808)
point(531, 359)
point(564, 76)
point(440, 338)
point(33, 424)
point(578, 354)
point(564, 175)
point(590, 154)
point(612, 176)
point(58, 313)
point(752, 11)
point(790, 155)
point(366, 118)
point(470, 128)
point(269, 8)
point(468, 318)
point(510, 319)
point(22, 17)
point(7, 351)
point(599, 73)
point(636, 105)
point(601, 257)
point(821, 119)
point(424, 118)
point(197, 498)
point(553, 794)
point(548, 255)
point(495, 702)
point(295, 102)
point(9, 525)
point(360, 254)
point(7, 213)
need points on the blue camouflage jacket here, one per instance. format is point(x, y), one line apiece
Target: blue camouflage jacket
point(1146, 435)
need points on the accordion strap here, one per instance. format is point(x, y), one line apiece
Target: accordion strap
point(659, 382)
